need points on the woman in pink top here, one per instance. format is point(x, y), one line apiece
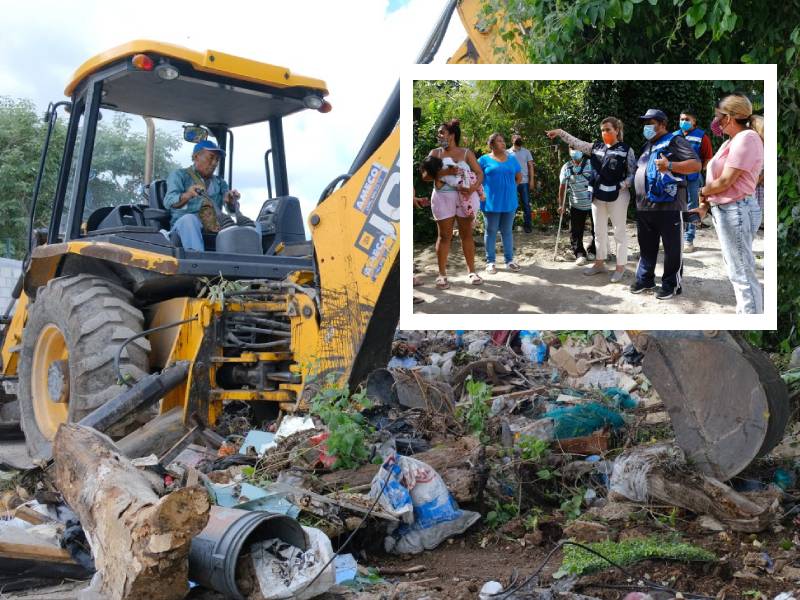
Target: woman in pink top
point(731, 179)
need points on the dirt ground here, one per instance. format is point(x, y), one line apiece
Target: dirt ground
point(548, 287)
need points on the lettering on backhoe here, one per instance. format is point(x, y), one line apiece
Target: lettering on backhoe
point(372, 186)
point(379, 233)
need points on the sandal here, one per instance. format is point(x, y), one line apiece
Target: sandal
point(418, 300)
point(512, 266)
point(491, 269)
point(474, 279)
point(442, 283)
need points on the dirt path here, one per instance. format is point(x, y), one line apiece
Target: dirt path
point(548, 287)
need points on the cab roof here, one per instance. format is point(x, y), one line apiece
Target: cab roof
point(213, 87)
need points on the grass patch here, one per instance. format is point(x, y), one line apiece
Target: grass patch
point(578, 561)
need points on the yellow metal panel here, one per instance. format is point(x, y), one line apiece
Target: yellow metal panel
point(13, 339)
point(210, 61)
point(252, 395)
point(355, 232)
point(185, 347)
point(162, 343)
point(485, 41)
point(252, 357)
point(45, 259)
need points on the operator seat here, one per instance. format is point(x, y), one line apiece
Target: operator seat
point(159, 216)
point(282, 223)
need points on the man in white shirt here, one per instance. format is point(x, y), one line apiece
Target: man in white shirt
point(525, 187)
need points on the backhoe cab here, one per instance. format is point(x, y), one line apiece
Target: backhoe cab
point(209, 94)
point(109, 295)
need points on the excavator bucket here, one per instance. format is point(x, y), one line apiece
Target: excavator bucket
point(727, 403)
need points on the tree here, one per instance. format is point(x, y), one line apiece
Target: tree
point(531, 107)
point(117, 165)
point(118, 160)
point(22, 133)
point(684, 31)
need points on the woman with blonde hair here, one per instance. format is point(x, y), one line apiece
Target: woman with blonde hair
point(729, 193)
point(613, 167)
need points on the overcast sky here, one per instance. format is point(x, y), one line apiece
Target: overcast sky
point(356, 46)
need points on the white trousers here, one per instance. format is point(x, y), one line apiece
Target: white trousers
point(617, 211)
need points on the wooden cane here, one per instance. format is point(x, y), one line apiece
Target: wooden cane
point(558, 235)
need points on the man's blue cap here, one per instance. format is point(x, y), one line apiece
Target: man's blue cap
point(654, 113)
point(207, 145)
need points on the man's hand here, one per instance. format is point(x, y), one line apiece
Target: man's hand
point(192, 192)
point(561, 210)
point(420, 202)
point(662, 163)
point(232, 199)
point(553, 133)
point(531, 186)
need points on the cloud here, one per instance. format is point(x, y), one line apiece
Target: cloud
point(359, 47)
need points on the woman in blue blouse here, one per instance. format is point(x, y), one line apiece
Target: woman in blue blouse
point(501, 174)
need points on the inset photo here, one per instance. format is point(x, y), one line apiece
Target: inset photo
point(590, 197)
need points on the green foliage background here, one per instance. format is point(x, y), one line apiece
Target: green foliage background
point(118, 162)
point(531, 107)
point(684, 31)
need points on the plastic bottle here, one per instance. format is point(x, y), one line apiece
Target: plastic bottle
point(460, 338)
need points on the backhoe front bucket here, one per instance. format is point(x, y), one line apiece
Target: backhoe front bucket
point(727, 402)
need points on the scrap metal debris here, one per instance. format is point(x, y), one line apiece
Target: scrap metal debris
point(517, 441)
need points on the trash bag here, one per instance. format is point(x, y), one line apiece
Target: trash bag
point(416, 494)
point(583, 419)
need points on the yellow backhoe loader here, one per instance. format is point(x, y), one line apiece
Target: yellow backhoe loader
point(110, 312)
point(108, 296)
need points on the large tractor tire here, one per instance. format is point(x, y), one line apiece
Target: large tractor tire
point(66, 370)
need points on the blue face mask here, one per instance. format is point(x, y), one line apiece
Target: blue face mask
point(686, 125)
point(576, 154)
point(649, 132)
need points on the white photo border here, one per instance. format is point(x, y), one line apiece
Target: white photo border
point(768, 73)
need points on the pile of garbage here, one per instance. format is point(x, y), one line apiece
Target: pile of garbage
point(545, 438)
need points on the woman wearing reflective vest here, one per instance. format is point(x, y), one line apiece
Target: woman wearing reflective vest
point(729, 193)
point(613, 166)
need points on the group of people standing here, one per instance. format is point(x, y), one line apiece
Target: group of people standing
point(675, 181)
point(463, 185)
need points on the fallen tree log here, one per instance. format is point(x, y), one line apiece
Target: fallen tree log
point(461, 464)
point(140, 542)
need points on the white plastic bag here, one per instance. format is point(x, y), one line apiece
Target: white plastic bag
point(434, 515)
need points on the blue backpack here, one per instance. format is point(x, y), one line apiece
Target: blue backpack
point(661, 187)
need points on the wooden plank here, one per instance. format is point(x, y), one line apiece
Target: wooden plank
point(27, 514)
point(35, 552)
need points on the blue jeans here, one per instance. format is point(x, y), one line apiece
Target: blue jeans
point(503, 222)
point(190, 229)
point(524, 196)
point(736, 224)
point(693, 193)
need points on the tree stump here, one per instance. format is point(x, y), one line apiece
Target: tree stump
point(140, 542)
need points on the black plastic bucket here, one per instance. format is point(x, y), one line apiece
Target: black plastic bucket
point(215, 551)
